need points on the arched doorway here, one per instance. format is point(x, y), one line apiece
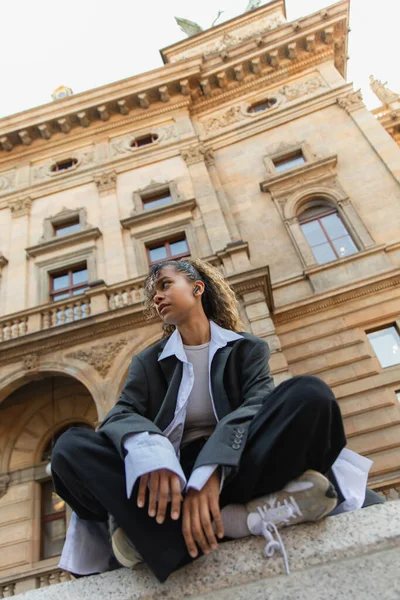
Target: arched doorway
point(32, 417)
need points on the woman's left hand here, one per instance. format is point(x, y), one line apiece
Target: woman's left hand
point(199, 510)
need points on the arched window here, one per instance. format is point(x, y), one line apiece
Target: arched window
point(326, 233)
point(53, 519)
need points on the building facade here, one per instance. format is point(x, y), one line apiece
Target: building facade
point(247, 148)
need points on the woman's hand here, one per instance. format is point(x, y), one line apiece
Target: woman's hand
point(199, 510)
point(164, 485)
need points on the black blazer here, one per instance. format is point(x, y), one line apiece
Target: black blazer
point(240, 380)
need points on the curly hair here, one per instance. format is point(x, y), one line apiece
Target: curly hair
point(218, 299)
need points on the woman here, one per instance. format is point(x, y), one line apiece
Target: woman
point(200, 445)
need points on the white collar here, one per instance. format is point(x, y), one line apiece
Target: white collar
point(219, 338)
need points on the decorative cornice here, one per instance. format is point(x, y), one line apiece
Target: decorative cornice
point(335, 299)
point(352, 101)
point(100, 357)
point(106, 182)
point(69, 239)
point(20, 207)
point(149, 216)
point(303, 175)
point(193, 154)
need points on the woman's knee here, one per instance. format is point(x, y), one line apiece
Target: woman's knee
point(67, 448)
point(312, 392)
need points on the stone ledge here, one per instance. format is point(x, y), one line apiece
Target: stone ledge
point(241, 563)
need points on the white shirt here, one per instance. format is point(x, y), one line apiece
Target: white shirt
point(87, 548)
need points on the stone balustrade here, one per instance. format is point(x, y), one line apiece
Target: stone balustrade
point(28, 581)
point(99, 299)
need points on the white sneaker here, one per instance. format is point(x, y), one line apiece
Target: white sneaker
point(123, 549)
point(310, 497)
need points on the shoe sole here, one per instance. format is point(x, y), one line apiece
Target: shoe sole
point(123, 552)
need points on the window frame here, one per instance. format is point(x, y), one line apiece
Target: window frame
point(286, 157)
point(318, 217)
point(74, 220)
point(48, 518)
point(71, 287)
point(382, 327)
point(167, 242)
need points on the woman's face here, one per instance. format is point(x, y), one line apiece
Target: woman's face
point(174, 299)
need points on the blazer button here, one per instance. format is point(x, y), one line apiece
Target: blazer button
point(236, 446)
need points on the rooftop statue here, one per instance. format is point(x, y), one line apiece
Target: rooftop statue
point(191, 28)
point(381, 91)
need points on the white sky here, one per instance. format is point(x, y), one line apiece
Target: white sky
point(88, 43)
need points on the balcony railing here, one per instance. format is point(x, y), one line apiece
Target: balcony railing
point(96, 300)
point(18, 584)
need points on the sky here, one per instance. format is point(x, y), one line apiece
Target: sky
point(85, 44)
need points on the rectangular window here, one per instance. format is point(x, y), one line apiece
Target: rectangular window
point(386, 345)
point(156, 200)
point(67, 283)
point(171, 249)
point(67, 227)
point(53, 521)
point(398, 395)
point(289, 162)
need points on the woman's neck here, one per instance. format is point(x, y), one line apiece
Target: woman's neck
point(195, 333)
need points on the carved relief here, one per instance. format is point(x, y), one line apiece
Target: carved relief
point(232, 115)
point(292, 91)
point(7, 182)
point(352, 101)
point(230, 39)
point(193, 154)
point(106, 181)
point(122, 145)
point(100, 357)
point(287, 93)
point(31, 362)
point(20, 207)
point(85, 157)
point(4, 481)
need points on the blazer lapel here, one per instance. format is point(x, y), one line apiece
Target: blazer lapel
point(221, 401)
point(172, 369)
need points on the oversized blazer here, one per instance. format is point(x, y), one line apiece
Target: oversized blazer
point(240, 382)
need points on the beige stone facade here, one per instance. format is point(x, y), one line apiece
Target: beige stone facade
point(194, 131)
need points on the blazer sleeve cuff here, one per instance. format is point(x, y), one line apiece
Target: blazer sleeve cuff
point(147, 452)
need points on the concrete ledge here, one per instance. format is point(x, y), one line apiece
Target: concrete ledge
point(331, 545)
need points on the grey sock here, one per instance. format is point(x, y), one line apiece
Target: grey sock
point(234, 519)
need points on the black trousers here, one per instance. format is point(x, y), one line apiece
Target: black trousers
point(298, 427)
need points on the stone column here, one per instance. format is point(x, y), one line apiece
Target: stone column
point(206, 197)
point(114, 253)
point(377, 136)
point(222, 197)
point(16, 298)
point(261, 324)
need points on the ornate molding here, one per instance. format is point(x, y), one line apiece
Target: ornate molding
point(4, 482)
point(385, 95)
point(100, 357)
point(334, 300)
point(351, 102)
point(193, 154)
point(20, 207)
point(287, 93)
point(106, 181)
point(209, 157)
point(7, 181)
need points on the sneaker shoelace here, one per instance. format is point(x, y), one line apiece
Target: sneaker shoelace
point(281, 513)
